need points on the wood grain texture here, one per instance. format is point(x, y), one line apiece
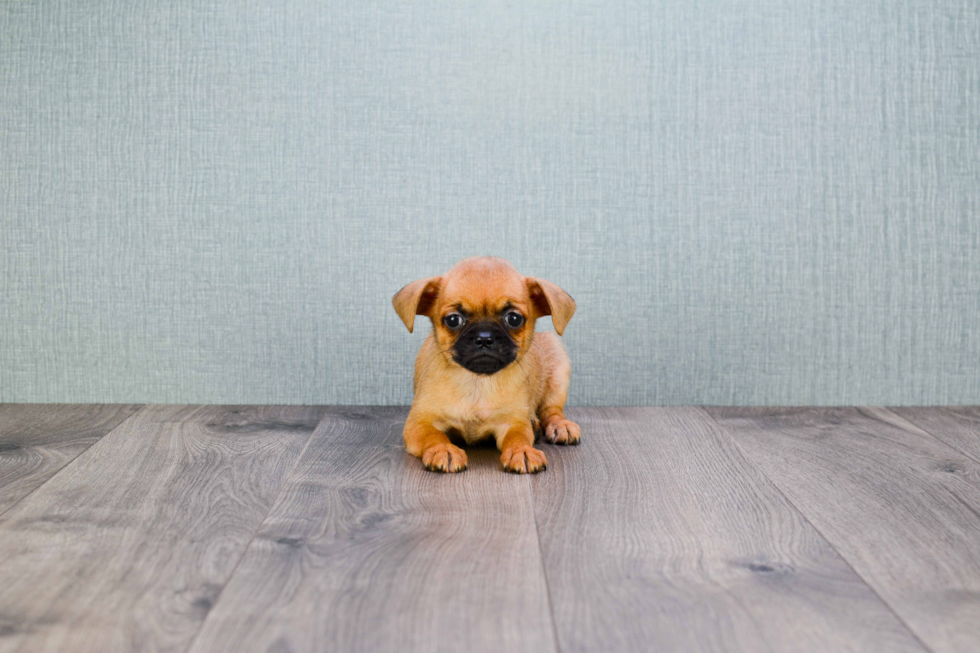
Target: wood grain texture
point(658, 534)
point(366, 551)
point(127, 548)
point(902, 507)
point(36, 440)
point(957, 426)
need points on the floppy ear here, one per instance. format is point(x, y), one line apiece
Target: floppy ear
point(416, 298)
point(549, 299)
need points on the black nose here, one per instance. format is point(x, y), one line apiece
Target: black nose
point(483, 339)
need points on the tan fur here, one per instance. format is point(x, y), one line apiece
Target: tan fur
point(509, 405)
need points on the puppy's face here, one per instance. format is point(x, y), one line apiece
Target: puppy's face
point(483, 311)
point(484, 327)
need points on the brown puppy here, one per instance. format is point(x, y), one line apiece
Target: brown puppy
point(483, 371)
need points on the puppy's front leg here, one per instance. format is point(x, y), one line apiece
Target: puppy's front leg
point(517, 453)
point(425, 441)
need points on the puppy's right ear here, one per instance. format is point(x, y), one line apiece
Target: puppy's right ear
point(417, 298)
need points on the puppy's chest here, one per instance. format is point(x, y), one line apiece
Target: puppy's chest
point(478, 415)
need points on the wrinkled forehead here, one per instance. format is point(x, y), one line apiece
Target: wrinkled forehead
point(484, 291)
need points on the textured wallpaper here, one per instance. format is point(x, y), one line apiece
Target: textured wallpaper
point(753, 202)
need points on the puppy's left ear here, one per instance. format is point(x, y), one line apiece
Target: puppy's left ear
point(417, 298)
point(549, 299)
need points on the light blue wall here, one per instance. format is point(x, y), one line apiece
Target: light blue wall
point(754, 202)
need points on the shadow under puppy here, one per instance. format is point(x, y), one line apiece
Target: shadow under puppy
point(483, 372)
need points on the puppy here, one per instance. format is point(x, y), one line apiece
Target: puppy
point(483, 372)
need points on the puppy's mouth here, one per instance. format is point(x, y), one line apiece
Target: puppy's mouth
point(485, 363)
point(484, 347)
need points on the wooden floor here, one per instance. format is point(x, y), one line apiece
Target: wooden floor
point(290, 529)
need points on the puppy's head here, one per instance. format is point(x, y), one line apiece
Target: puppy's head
point(483, 311)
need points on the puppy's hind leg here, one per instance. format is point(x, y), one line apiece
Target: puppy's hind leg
point(425, 441)
point(558, 429)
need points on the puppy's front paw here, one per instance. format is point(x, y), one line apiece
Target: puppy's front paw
point(524, 459)
point(444, 458)
point(562, 431)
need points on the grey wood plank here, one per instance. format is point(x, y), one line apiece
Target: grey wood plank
point(127, 548)
point(658, 534)
point(957, 426)
point(902, 507)
point(37, 440)
point(367, 551)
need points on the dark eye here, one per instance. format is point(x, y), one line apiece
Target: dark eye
point(453, 320)
point(514, 320)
